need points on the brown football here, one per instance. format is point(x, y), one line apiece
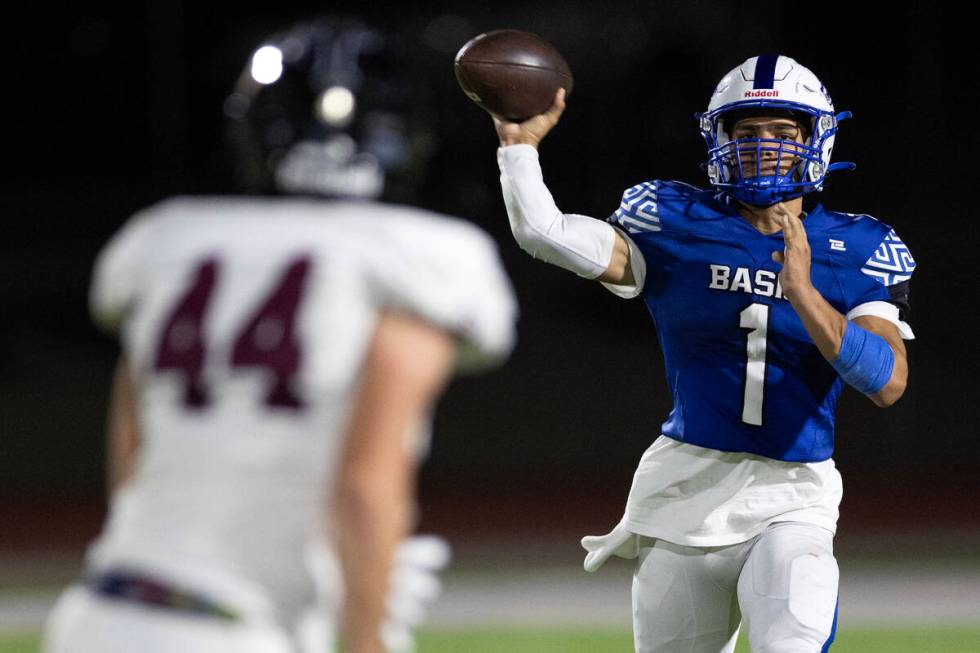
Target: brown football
point(512, 74)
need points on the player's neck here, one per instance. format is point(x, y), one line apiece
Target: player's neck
point(765, 219)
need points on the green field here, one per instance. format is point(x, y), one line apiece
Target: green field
point(857, 640)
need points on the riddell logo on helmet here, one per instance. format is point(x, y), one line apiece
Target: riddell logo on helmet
point(762, 93)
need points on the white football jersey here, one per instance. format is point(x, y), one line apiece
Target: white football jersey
point(245, 322)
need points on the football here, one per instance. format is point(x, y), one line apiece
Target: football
point(512, 74)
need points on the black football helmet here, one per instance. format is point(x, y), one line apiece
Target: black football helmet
point(327, 107)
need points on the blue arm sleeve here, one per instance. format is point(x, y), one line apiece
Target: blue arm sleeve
point(865, 361)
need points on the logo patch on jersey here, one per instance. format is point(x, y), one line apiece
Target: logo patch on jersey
point(892, 262)
point(763, 282)
point(638, 210)
point(837, 245)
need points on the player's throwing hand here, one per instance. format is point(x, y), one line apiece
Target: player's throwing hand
point(534, 129)
point(795, 257)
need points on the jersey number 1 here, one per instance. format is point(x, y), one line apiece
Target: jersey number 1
point(756, 318)
point(267, 340)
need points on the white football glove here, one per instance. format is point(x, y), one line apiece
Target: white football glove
point(620, 541)
point(415, 586)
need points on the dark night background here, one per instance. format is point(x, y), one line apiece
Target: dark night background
point(106, 111)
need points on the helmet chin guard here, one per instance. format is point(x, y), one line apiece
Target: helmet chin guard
point(776, 86)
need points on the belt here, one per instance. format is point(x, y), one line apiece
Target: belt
point(137, 588)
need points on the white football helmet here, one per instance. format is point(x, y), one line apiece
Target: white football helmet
point(770, 85)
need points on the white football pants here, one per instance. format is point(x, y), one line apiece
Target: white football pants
point(83, 622)
point(782, 584)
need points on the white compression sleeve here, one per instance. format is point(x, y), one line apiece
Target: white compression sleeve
point(578, 243)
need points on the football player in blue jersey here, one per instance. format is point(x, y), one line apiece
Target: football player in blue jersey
point(764, 312)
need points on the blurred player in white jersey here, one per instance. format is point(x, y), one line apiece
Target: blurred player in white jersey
point(763, 312)
point(281, 356)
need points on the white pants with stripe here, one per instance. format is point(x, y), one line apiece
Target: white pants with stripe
point(781, 584)
point(83, 622)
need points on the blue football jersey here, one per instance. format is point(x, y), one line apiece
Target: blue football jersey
point(743, 372)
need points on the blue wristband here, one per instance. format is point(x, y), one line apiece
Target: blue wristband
point(865, 360)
